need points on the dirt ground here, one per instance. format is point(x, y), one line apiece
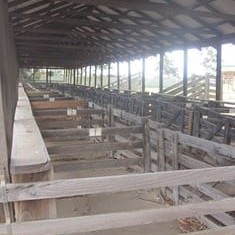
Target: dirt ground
point(114, 202)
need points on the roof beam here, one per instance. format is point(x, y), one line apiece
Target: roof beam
point(145, 5)
point(103, 24)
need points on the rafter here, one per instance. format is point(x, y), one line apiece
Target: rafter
point(145, 5)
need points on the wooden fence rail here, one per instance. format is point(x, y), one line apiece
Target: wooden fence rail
point(187, 166)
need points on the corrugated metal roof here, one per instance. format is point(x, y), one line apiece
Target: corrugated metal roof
point(72, 33)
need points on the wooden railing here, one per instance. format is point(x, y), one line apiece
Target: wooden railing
point(188, 169)
point(198, 87)
point(202, 118)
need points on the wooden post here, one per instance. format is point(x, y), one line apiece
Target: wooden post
point(77, 82)
point(64, 77)
point(118, 75)
point(175, 161)
point(4, 159)
point(161, 67)
point(47, 76)
point(161, 155)
point(110, 124)
point(85, 82)
point(81, 77)
point(95, 76)
point(185, 78)
point(227, 134)
point(74, 77)
point(143, 75)
point(129, 75)
point(101, 75)
point(109, 75)
point(147, 146)
point(196, 123)
point(89, 76)
point(33, 75)
point(219, 92)
point(190, 122)
point(50, 74)
point(36, 210)
point(159, 111)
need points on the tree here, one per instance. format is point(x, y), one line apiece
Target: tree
point(208, 55)
point(169, 69)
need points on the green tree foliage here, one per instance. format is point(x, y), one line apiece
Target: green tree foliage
point(208, 55)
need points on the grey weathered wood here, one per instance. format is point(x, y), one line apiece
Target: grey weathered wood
point(175, 153)
point(30, 161)
point(75, 187)
point(46, 124)
point(26, 136)
point(93, 147)
point(146, 146)
point(68, 166)
point(119, 220)
point(73, 133)
point(196, 123)
point(208, 146)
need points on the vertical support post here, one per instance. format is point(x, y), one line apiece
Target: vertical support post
point(89, 76)
point(109, 75)
point(175, 152)
point(185, 78)
point(33, 75)
point(129, 75)
point(95, 76)
point(196, 123)
point(47, 76)
point(227, 133)
point(110, 123)
point(161, 155)
point(64, 75)
point(118, 75)
point(143, 75)
point(85, 82)
point(190, 122)
point(81, 77)
point(77, 82)
point(146, 147)
point(74, 77)
point(50, 74)
point(161, 67)
point(101, 75)
point(219, 93)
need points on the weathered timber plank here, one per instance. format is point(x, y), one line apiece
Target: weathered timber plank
point(75, 187)
point(85, 132)
point(69, 166)
point(29, 154)
point(65, 124)
point(93, 147)
point(58, 104)
point(206, 145)
point(119, 220)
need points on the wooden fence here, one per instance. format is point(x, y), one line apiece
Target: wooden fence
point(196, 174)
point(211, 120)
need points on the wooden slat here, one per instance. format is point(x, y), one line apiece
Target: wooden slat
point(66, 133)
point(118, 220)
point(75, 187)
point(77, 165)
point(58, 104)
point(65, 124)
point(93, 147)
